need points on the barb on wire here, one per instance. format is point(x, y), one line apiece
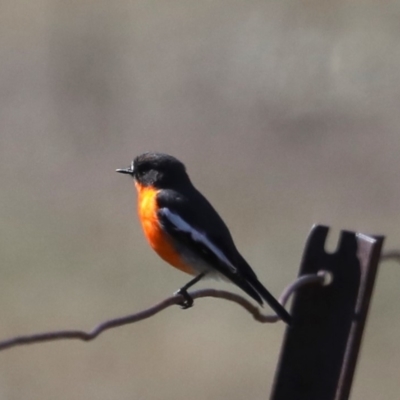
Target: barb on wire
point(173, 300)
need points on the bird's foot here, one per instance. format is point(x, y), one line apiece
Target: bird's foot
point(187, 301)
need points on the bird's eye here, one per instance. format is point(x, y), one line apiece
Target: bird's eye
point(143, 169)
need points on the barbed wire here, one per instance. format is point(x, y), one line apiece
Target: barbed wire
point(168, 302)
point(321, 278)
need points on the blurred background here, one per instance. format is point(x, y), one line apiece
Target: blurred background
point(285, 113)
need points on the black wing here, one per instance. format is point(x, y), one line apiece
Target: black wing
point(192, 221)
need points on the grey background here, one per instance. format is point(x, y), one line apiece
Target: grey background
point(285, 113)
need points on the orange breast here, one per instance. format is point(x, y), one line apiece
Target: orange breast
point(158, 240)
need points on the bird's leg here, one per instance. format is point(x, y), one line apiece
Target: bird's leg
point(183, 291)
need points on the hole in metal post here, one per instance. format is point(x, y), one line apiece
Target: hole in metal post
point(332, 241)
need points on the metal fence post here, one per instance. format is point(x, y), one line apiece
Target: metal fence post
point(320, 350)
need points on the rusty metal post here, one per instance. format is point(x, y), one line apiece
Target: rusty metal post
point(320, 351)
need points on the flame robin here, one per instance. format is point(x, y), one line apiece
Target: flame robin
point(185, 230)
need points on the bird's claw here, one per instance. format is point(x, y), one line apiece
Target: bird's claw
point(187, 301)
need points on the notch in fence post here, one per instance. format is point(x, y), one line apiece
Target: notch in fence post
point(320, 350)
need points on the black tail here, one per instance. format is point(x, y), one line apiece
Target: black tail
point(273, 303)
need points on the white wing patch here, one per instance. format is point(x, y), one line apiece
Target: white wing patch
point(197, 236)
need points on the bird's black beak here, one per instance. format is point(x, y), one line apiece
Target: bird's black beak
point(128, 171)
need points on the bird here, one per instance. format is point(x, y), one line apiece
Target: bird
point(186, 231)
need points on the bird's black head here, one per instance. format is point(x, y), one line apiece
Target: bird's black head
point(156, 169)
